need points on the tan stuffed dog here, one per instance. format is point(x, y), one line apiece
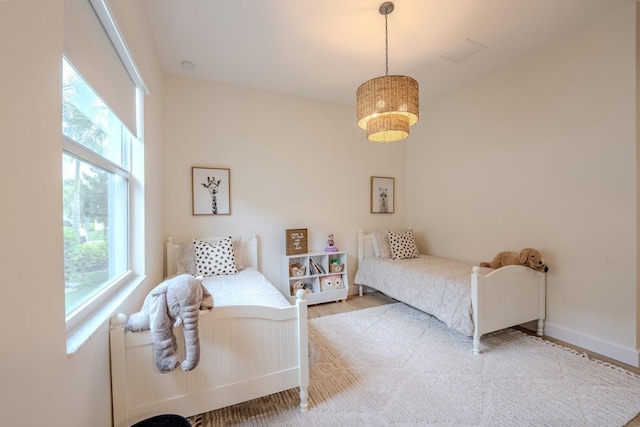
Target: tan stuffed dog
point(528, 257)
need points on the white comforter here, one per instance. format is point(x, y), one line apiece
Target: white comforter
point(438, 286)
point(248, 287)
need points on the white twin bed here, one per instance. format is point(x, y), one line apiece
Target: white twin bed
point(470, 299)
point(252, 343)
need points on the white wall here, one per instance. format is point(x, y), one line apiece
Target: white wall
point(540, 153)
point(565, 117)
point(41, 384)
point(31, 304)
point(295, 163)
point(543, 153)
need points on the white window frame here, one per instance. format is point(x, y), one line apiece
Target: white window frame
point(86, 319)
point(79, 151)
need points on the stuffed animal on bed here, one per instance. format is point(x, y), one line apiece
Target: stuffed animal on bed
point(543, 268)
point(177, 300)
point(528, 257)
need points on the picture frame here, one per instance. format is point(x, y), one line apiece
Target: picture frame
point(382, 194)
point(211, 190)
point(296, 241)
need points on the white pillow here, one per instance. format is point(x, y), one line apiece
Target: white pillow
point(380, 243)
point(402, 245)
point(215, 259)
point(185, 259)
point(368, 248)
point(237, 242)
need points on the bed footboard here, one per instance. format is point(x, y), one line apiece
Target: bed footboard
point(245, 352)
point(506, 297)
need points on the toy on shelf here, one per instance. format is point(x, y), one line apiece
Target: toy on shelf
point(330, 248)
point(330, 283)
point(297, 269)
point(335, 266)
point(298, 284)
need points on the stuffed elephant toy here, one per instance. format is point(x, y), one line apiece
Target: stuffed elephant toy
point(176, 300)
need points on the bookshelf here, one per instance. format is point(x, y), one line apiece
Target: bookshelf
point(323, 273)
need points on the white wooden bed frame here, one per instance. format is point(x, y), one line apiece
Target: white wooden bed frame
point(246, 352)
point(506, 297)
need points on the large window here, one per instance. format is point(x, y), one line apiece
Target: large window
point(102, 167)
point(96, 165)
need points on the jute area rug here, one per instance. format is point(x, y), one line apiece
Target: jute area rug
point(396, 366)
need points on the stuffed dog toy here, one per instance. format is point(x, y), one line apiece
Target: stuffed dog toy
point(176, 300)
point(528, 257)
point(298, 284)
point(543, 268)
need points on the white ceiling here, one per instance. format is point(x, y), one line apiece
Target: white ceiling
point(326, 49)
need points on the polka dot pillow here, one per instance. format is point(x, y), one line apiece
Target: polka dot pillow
point(402, 245)
point(215, 259)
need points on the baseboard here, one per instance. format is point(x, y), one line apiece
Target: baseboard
point(630, 356)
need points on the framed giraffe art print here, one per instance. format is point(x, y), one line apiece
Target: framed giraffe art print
point(211, 190)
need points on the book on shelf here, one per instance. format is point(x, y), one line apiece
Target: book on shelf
point(321, 268)
point(317, 267)
point(312, 269)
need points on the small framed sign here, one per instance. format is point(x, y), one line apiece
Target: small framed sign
point(296, 241)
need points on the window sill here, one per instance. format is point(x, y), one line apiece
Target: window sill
point(86, 329)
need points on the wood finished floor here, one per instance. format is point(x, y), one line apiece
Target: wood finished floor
point(374, 299)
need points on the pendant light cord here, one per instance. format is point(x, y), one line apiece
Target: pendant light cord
point(386, 44)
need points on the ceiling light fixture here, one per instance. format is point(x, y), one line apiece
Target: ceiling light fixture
point(188, 65)
point(387, 105)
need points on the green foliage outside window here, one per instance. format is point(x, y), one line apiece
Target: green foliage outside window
point(95, 191)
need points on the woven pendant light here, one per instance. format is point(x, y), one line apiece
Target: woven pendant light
point(387, 105)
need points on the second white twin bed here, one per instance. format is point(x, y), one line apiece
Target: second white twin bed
point(469, 299)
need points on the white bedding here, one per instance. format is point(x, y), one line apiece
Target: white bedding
point(247, 287)
point(438, 286)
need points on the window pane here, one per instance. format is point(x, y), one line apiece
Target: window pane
point(95, 229)
point(87, 120)
point(95, 191)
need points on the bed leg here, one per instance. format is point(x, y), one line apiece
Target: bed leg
point(540, 327)
point(304, 400)
point(476, 345)
point(360, 290)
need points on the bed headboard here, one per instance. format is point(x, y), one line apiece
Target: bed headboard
point(244, 247)
point(365, 246)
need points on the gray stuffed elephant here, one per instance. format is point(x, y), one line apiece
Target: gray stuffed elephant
point(176, 300)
